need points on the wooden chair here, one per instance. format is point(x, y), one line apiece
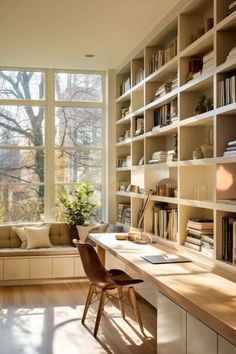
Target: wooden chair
point(106, 283)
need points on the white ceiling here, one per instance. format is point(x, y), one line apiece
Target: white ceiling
point(57, 33)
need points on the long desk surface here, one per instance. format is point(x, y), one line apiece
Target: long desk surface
point(208, 296)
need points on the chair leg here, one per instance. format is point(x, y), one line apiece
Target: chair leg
point(122, 307)
point(88, 302)
point(100, 309)
point(134, 303)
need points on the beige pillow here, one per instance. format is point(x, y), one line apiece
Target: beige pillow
point(37, 237)
point(20, 231)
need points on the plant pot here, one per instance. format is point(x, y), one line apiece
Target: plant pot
point(73, 233)
point(83, 232)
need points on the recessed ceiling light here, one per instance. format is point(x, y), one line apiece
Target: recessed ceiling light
point(89, 55)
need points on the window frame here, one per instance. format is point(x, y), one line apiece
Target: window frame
point(50, 104)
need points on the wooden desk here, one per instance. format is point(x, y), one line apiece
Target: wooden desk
point(209, 297)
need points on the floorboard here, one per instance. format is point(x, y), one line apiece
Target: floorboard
point(46, 319)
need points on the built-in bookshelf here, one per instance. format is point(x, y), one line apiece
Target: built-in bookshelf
point(176, 127)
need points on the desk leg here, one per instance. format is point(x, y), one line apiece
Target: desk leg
point(101, 254)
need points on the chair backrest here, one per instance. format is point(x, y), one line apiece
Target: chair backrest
point(93, 267)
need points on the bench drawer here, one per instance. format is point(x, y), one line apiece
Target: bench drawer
point(63, 267)
point(16, 269)
point(41, 268)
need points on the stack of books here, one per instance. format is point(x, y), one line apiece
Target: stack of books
point(231, 148)
point(127, 216)
point(208, 62)
point(121, 208)
point(231, 7)
point(125, 86)
point(158, 157)
point(229, 239)
point(165, 221)
point(200, 235)
point(163, 89)
point(227, 90)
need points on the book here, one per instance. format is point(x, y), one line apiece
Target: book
point(201, 225)
point(232, 5)
point(208, 239)
point(199, 232)
point(192, 246)
point(193, 240)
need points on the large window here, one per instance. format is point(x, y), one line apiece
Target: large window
point(51, 127)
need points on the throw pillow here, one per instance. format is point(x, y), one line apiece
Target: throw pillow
point(100, 228)
point(83, 232)
point(20, 231)
point(38, 237)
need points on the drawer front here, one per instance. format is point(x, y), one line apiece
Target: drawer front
point(171, 327)
point(1, 269)
point(79, 270)
point(225, 347)
point(200, 338)
point(41, 268)
point(16, 269)
point(63, 267)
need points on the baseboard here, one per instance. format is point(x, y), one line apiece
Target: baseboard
point(42, 281)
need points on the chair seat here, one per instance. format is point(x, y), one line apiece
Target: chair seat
point(121, 278)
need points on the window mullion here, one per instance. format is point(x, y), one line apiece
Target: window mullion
point(49, 149)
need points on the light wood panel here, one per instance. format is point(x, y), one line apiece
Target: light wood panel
point(63, 267)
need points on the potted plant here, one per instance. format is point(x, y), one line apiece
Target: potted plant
point(78, 207)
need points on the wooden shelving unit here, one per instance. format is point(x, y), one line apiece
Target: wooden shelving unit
point(216, 126)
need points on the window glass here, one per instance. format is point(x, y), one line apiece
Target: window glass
point(77, 166)
point(78, 87)
point(78, 126)
point(22, 85)
point(21, 166)
point(21, 202)
point(22, 126)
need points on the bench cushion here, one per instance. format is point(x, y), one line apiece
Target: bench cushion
point(52, 251)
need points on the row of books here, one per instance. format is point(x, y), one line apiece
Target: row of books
point(231, 148)
point(125, 86)
point(229, 239)
point(227, 90)
point(123, 213)
point(166, 114)
point(199, 235)
point(231, 7)
point(162, 56)
point(165, 221)
point(139, 75)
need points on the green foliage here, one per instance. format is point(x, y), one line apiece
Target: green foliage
point(78, 204)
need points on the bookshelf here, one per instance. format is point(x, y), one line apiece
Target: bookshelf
point(198, 125)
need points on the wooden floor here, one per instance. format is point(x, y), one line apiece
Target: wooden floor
point(46, 319)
